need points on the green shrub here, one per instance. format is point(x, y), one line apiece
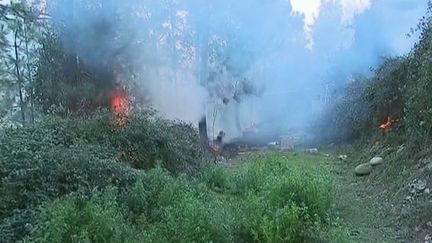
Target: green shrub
point(56, 157)
point(54, 173)
point(385, 91)
point(418, 96)
point(282, 201)
point(216, 177)
point(284, 204)
point(399, 88)
point(74, 219)
point(145, 142)
point(349, 117)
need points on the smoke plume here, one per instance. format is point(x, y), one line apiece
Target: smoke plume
point(190, 57)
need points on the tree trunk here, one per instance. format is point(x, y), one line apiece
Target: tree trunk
point(18, 74)
point(203, 40)
point(30, 78)
point(202, 128)
point(215, 112)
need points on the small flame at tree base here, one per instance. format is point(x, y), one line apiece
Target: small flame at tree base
point(119, 105)
point(387, 124)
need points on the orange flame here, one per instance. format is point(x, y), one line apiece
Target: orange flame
point(387, 124)
point(120, 107)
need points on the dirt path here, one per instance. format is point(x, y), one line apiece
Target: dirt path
point(369, 217)
point(359, 203)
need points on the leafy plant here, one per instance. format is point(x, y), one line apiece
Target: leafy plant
point(289, 202)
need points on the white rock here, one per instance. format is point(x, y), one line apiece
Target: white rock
point(376, 160)
point(427, 191)
point(312, 150)
point(420, 185)
point(428, 239)
point(363, 169)
point(343, 157)
point(400, 149)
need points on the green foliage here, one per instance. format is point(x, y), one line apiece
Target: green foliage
point(64, 86)
point(20, 32)
point(400, 88)
point(418, 99)
point(216, 178)
point(349, 117)
point(289, 202)
point(174, 145)
point(57, 157)
point(282, 201)
point(385, 91)
point(74, 219)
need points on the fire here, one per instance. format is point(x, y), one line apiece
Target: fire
point(120, 107)
point(387, 124)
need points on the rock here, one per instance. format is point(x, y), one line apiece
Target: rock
point(428, 238)
point(272, 144)
point(312, 151)
point(221, 160)
point(400, 149)
point(363, 169)
point(419, 185)
point(427, 191)
point(343, 157)
point(429, 224)
point(376, 161)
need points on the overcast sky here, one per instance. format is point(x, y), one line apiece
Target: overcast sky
point(397, 16)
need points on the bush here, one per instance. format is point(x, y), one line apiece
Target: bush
point(145, 142)
point(216, 178)
point(74, 219)
point(59, 156)
point(384, 93)
point(283, 204)
point(400, 88)
point(159, 208)
point(76, 180)
point(419, 87)
point(53, 173)
point(349, 117)
point(282, 201)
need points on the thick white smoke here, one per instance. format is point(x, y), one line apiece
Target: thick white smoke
point(296, 49)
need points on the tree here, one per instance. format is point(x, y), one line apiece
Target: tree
point(19, 28)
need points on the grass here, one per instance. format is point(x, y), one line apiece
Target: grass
point(82, 180)
point(267, 198)
point(380, 198)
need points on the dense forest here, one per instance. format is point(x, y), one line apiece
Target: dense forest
point(85, 158)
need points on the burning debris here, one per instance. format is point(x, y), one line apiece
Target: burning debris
point(387, 124)
point(119, 104)
point(216, 146)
